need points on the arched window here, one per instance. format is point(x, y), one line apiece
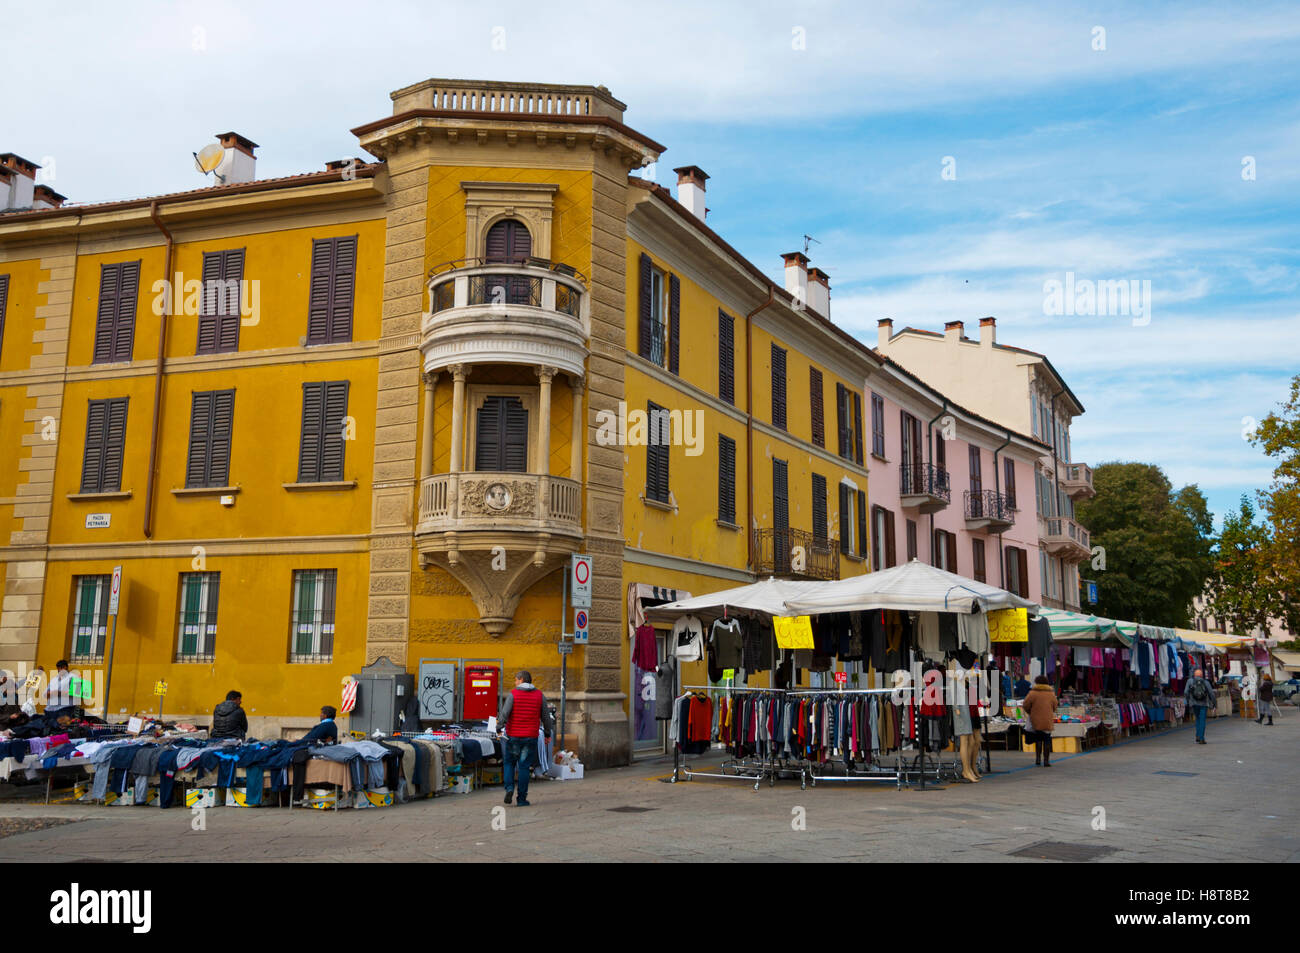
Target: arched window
point(508, 241)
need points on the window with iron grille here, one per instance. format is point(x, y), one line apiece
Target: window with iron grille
point(196, 627)
point(652, 330)
point(311, 638)
point(90, 617)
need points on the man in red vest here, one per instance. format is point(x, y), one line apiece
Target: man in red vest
point(522, 713)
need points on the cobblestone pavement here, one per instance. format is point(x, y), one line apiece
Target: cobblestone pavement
point(1165, 799)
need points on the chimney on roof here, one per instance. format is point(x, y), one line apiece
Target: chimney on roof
point(819, 292)
point(953, 331)
point(690, 189)
point(988, 332)
point(46, 197)
point(796, 276)
point(21, 174)
point(884, 331)
point(239, 163)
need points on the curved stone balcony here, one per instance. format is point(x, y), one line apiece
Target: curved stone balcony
point(500, 502)
point(532, 313)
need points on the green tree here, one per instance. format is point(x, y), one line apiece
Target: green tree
point(1157, 543)
point(1278, 435)
point(1242, 591)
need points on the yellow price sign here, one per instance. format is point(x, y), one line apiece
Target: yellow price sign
point(793, 632)
point(1009, 625)
point(160, 688)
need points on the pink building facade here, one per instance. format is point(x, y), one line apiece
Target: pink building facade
point(948, 486)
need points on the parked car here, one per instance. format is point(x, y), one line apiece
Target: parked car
point(1288, 690)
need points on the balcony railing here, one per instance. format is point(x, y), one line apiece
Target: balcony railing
point(527, 502)
point(796, 552)
point(1078, 480)
point(1067, 539)
point(989, 506)
point(925, 485)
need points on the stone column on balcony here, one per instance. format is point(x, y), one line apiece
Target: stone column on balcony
point(458, 374)
point(578, 384)
point(426, 437)
point(545, 374)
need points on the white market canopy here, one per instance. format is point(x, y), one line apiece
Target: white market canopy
point(913, 586)
point(1079, 629)
point(768, 596)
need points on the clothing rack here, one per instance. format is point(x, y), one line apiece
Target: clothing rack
point(755, 769)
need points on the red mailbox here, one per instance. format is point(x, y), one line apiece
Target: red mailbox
point(482, 684)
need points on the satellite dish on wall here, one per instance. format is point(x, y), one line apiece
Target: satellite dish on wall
point(209, 157)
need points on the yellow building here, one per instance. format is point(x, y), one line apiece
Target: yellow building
point(372, 411)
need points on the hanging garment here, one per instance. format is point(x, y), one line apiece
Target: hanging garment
point(687, 639)
point(1040, 638)
point(728, 638)
point(973, 631)
point(646, 651)
point(1082, 656)
point(948, 632)
point(928, 637)
point(1162, 664)
point(665, 683)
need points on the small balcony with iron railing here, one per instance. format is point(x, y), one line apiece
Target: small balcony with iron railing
point(1067, 539)
point(500, 502)
point(532, 311)
point(923, 487)
point(988, 510)
point(795, 553)
point(1077, 481)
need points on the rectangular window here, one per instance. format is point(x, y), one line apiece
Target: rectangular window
point(877, 425)
point(778, 387)
point(1017, 571)
point(726, 479)
point(976, 474)
point(979, 571)
point(883, 544)
point(1042, 565)
point(651, 330)
point(857, 427)
point(944, 551)
point(726, 357)
point(320, 447)
point(4, 303)
point(819, 520)
point(817, 403)
point(1009, 481)
point(211, 422)
point(312, 635)
point(115, 321)
point(101, 467)
point(861, 514)
point(656, 453)
point(219, 315)
point(333, 282)
point(90, 617)
point(911, 540)
point(781, 515)
point(196, 631)
point(501, 435)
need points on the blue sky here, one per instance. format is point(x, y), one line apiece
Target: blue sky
point(822, 118)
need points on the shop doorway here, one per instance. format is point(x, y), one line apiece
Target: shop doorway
point(649, 736)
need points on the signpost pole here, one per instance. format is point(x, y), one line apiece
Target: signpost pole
point(114, 593)
point(564, 656)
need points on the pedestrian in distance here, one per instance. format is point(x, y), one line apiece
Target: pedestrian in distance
point(229, 719)
point(1199, 696)
point(1265, 702)
point(523, 712)
point(1040, 706)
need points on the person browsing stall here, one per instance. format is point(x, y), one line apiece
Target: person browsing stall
point(522, 713)
point(1199, 696)
point(1040, 706)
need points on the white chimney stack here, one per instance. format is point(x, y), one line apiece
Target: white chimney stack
point(953, 331)
point(796, 276)
point(988, 332)
point(690, 189)
point(239, 163)
point(819, 292)
point(884, 331)
point(21, 174)
point(46, 197)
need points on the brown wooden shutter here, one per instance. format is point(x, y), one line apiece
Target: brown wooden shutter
point(211, 424)
point(726, 357)
point(862, 523)
point(952, 552)
point(645, 333)
point(780, 516)
point(857, 427)
point(223, 414)
point(911, 540)
point(333, 284)
point(515, 443)
point(332, 449)
point(313, 420)
point(846, 527)
point(92, 462)
point(936, 543)
point(115, 319)
point(196, 469)
point(977, 560)
point(318, 306)
point(976, 473)
point(1009, 483)
point(818, 406)
point(501, 435)
point(114, 445)
point(1022, 558)
point(726, 479)
point(509, 242)
point(674, 320)
point(321, 448)
point(778, 387)
point(657, 445)
point(891, 541)
point(842, 419)
point(4, 303)
point(219, 315)
point(819, 521)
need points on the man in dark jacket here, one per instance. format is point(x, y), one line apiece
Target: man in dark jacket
point(1199, 695)
point(1264, 696)
point(326, 732)
point(229, 719)
point(522, 713)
